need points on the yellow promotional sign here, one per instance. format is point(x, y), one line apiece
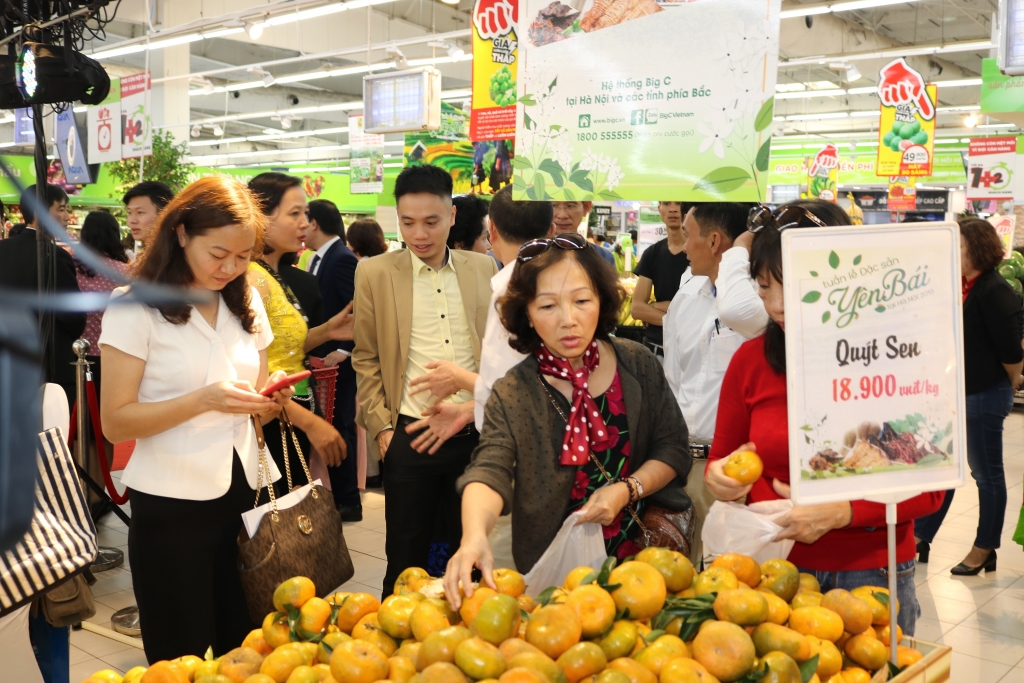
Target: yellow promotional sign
point(903, 193)
point(906, 131)
point(495, 65)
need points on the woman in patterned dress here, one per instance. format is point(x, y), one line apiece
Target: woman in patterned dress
point(585, 424)
point(284, 204)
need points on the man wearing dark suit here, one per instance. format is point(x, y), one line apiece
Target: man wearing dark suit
point(334, 266)
point(19, 269)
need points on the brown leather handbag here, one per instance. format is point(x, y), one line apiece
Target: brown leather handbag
point(304, 540)
point(667, 528)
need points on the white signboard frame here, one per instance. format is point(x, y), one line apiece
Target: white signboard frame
point(103, 123)
point(879, 306)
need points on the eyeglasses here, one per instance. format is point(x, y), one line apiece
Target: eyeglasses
point(762, 217)
point(534, 248)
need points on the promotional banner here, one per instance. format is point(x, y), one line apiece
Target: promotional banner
point(70, 149)
point(991, 163)
point(24, 132)
point(857, 167)
point(495, 64)
point(103, 123)
point(602, 114)
point(366, 158)
point(902, 193)
point(1005, 225)
point(136, 127)
point(906, 130)
point(823, 174)
point(649, 231)
point(447, 147)
point(874, 357)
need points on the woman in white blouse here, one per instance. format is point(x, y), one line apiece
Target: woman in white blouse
point(182, 381)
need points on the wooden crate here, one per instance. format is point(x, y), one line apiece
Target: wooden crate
point(933, 667)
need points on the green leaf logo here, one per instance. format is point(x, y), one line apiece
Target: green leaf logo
point(880, 309)
point(825, 316)
point(833, 260)
point(761, 161)
point(764, 116)
point(811, 297)
point(814, 273)
point(856, 260)
point(722, 180)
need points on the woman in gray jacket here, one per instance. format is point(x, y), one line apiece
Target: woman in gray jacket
point(586, 423)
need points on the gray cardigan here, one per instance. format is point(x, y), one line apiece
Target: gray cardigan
point(522, 436)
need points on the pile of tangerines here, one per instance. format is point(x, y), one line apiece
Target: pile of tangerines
point(647, 620)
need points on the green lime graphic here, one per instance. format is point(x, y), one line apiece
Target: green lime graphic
point(503, 87)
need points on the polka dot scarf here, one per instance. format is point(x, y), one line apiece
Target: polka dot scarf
point(585, 429)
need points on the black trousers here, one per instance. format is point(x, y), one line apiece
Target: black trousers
point(184, 557)
point(345, 477)
point(421, 504)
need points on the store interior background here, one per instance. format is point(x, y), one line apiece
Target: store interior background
point(251, 88)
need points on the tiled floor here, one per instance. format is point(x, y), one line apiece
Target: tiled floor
point(981, 618)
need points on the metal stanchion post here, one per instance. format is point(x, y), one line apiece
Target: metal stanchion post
point(106, 558)
point(124, 620)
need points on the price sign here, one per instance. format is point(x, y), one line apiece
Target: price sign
point(874, 357)
point(990, 167)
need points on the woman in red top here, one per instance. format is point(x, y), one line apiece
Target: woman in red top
point(842, 544)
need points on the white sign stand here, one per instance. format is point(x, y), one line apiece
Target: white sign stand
point(891, 501)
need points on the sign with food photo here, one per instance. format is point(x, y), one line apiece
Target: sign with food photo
point(495, 64)
point(602, 115)
point(874, 358)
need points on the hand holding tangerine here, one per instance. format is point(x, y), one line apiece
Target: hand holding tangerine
point(744, 466)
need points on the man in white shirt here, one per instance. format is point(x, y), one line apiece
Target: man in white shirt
point(704, 326)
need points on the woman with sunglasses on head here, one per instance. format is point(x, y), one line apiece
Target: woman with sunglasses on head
point(842, 544)
point(586, 423)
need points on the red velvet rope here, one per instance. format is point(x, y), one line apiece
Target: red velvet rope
point(101, 449)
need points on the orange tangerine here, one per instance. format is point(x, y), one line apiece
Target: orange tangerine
point(294, 592)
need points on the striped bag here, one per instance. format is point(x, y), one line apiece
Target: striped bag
point(61, 540)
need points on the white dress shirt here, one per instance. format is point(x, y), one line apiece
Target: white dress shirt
point(320, 253)
point(739, 305)
point(496, 356)
point(193, 460)
point(698, 348)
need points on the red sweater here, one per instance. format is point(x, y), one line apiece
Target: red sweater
point(752, 407)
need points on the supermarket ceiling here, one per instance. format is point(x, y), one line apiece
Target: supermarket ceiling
point(289, 82)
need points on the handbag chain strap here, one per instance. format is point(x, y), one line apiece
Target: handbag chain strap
point(631, 506)
point(263, 467)
point(286, 425)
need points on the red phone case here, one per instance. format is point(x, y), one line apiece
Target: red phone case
point(286, 382)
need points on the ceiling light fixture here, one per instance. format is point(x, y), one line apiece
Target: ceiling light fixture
point(255, 30)
point(217, 130)
point(397, 55)
point(838, 7)
point(196, 130)
point(853, 73)
point(908, 51)
point(970, 121)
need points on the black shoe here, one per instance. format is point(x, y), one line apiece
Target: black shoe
point(351, 513)
point(989, 565)
point(375, 482)
point(923, 548)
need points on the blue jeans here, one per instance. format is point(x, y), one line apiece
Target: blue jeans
point(986, 412)
point(906, 591)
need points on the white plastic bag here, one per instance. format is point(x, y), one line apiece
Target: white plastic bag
point(575, 545)
point(746, 529)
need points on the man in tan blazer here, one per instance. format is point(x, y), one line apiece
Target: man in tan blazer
point(414, 310)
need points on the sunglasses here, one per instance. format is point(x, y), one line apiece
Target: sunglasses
point(534, 248)
point(762, 217)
